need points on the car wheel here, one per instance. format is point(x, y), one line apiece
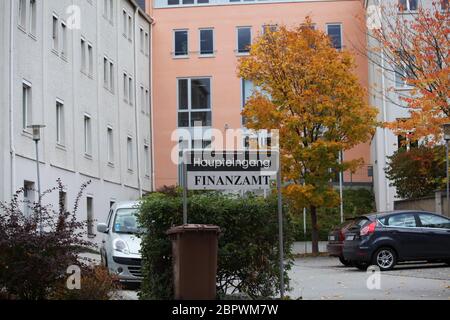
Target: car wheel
point(345, 262)
point(385, 259)
point(361, 266)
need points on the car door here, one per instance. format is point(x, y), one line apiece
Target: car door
point(404, 230)
point(437, 235)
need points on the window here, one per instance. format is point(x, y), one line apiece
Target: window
point(130, 153)
point(60, 123)
point(130, 28)
point(33, 17)
point(125, 87)
point(147, 101)
point(26, 106)
point(125, 23)
point(181, 43)
point(63, 39)
point(206, 41)
point(90, 216)
point(407, 5)
point(194, 102)
point(131, 91)
point(434, 222)
point(111, 77)
point(143, 107)
point(269, 27)
point(141, 34)
point(406, 220)
point(247, 92)
point(244, 39)
point(83, 55)
point(23, 13)
point(105, 72)
point(87, 136)
point(55, 33)
point(444, 5)
point(110, 145)
point(184, 2)
point(28, 198)
point(147, 160)
point(335, 33)
point(147, 44)
point(91, 60)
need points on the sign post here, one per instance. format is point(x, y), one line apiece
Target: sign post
point(231, 171)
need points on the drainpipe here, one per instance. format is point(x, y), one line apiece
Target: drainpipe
point(152, 145)
point(383, 88)
point(12, 149)
point(136, 109)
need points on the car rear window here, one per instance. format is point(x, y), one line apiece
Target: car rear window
point(406, 220)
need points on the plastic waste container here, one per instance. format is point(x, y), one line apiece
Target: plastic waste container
point(194, 250)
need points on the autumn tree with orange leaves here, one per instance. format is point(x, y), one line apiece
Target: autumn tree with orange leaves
point(417, 46)
point(309, 92)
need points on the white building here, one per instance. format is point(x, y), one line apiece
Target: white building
point(386, 87)
point(82, 68)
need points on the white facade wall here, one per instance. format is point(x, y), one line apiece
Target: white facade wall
point(54, 76)
point(386, 97)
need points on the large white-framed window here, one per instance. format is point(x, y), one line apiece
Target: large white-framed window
point(334, 31)
point(243, 39)
point(131, 91)
point(206, 36)
point(87, 135)
point(181, 43)
point(194, 102)
point(111, 77)
point(108, 74)
point(407, 5)
point(125, 87)
point(142, 39)
point(91, 59)
point(83, 54)
point(130, 28)
point(124, 23)
point(27, 111)
point(60, 123)
point(110, 144)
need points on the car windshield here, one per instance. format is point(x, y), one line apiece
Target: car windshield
point(126, 221)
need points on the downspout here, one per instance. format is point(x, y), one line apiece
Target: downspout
point(383, 87)
point(12, 148)
point(152, 145)
point(136, 109)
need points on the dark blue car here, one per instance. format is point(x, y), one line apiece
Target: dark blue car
point(386, 239)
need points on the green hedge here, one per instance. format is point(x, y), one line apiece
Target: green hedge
point(248, 248)
point(356, 202)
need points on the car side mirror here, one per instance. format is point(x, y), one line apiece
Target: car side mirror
point(102, 228)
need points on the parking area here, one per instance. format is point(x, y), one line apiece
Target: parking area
point(324, 278)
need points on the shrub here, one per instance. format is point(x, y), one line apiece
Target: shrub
point(248, 248)
point(96, 284)
point(34, 261)
point(356, 202)
point(417, 172)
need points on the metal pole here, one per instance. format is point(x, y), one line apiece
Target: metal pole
point(38, 184)
point(341, 182)
point(185, 193)
point(448, 182)
point(304, 230)
point(280, 234)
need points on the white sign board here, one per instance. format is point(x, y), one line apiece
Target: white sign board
point(230, 170)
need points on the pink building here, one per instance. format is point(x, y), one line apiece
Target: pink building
point(196, 45)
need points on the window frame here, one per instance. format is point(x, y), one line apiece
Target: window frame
point(174, 54)
point(60, 123)
point(189, 110)
point(243, 53)
point(206, 55)
point(341, 34)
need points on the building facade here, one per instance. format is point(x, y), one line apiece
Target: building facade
point(197, 44)
point(387, 86)
point(82, 68)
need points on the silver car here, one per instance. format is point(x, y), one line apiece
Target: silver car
point(121, 246)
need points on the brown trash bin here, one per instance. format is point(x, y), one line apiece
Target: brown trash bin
point(194, 251)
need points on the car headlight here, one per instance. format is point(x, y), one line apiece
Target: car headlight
point(121, 246)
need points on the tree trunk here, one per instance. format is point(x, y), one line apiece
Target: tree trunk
point(315, 231)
